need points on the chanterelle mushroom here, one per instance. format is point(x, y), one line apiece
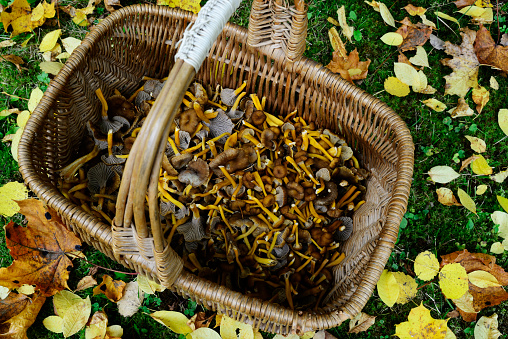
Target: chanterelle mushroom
point(196, 173)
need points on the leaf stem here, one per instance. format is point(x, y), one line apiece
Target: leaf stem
point(105, 268)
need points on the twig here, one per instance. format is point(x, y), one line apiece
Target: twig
point(498, 30)
point(13, 96)
point(506, 136)
point(427, 283)
point(104, 268)
point(377, 69)
point(439, 19)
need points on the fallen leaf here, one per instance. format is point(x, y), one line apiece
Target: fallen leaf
point(426, 266)
point(445, 196)
point(97, 326)
point(413, 10)
point(414, 35)
point(477, 144)
point(16, 60)
point(464, 64)
point(114, 331)
point(488, 52)
point(49, 40)
point(407, 287)
point(453, 281)
point(465, 303)
point(396, 87)
point(373, 4)
point(149, 286)
point(392, 39)
point(4, 293)
point(51, 67)
point(453, 314)
point(16, 327)
point(337, 43)
point(7, 112)
point(487, 297)
point(407, 74)
point(12, 305)
point(176, 321)
point(503, 202)
point(447, 17)
point(466, 162)
point(53, 323)
point(85, 282)
point(487, 17)
point(421, 323)
point(131, 300)
point(423, 86)
point(361, 323)
point(79, 17)
point(188, 5)
point(15, 143)
point(110, 3)
point(346, 29)
point(387, 288)
point(435, 104)
point(462, 110)
point(41, 251)
point(35, 98)
point(493, 83)
point(26, 289)
point(352, 63)
point(502, 120)
point(200, 320)
point(427, 22)
point(472, 10)
point(64, 300)
point(17, 15)
point(480, 97)
point(466, 200)
point(22, 118)
point(7, 43)
point(482, 279)
point(504, 40)
point(436, 42)
point(497, 248)
point(421, 58)
point(76, 317)
point(112, 289)
point(386, 15)
point(500, 177)
point(481, 189)
point(480, 166)
point(230, 327)
point(486, 328)
point(70, 44)
point(8, 193)
point(477, 261)
point(463, 3)
point(501, 219)
point(443, 174)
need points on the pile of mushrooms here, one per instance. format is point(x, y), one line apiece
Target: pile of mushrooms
point(253, 201)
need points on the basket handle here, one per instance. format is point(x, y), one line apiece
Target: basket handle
point(277, 27)
point(131, 232)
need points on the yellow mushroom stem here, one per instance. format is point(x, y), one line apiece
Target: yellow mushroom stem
point(211, 144)
point(85, 207)
point(251, 126)
point(168, 196)
point(199, 128)
point(104, 215)
point(192, 149)
point(323, 263)
point(355, 162)
point(350, 200)
point(288, 292)
point(79, 195)
point(293, 134)
point(187, 103)
point(262, 217)
point(272, 216)
point(224, 219)
point(237, 101)
point(308, 172)
point(294, 164)
point(231, 141)
point(321, 187)
point(316, 244)
point(194, 261)
point(335, 151)
point(228, 176)
point(135, 94)
point(259, 159)
point(256, 102)
point(302, 255)
point(187, 190)
point(174, 226)
point(105, 196)
point(223, 107)
point(357, 206)
point(190, 95)
point(256, 142)
point(272, 245)
point(135, 132)
point(346, 196)
point(334, 246)
point(173, 146)
point(209, 114)
point(313, 211)
point(259, 182)
point(238, 259)
point(317, 145)
point(295, 208)
point(78, 187)
point(265, 261)
point(318, 156)
point(320, 280)
point(177, 136)
point(203, 152)
point(246, 234)
point(273, 121)
point(237, 189)
point(305, 139)
point(255, 244)
point(110, 142)
point(239, 89)
point(325, 137)
point(219, 137)
point(104, 103)
point(200, 113)
point(304, 264)
point(68, 172)
point(263, 102)
point(290, 115)
point(336, 261)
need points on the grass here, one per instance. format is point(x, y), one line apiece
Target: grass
point(438, 139)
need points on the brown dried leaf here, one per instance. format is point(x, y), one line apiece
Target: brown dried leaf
point(351, 68)
point(487, 297)
point(463, 3)
point(477, 261)
point(200, 320)
point(361, 323)
point(480, 97)
point(453, 314)
point(12, 305)
point(462, 109)
point(110, 3)
point(86, 282)
point(467, 316)
point(488, 52)
point(15, 328)
point(112, 289)
point(413, 10)
point(414, 35)
point(16, 60)
point(446, 197)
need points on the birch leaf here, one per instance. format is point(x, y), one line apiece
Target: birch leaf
point(421, 58)
point(443, 174)
point(387, 288)
point(486, 328)
point(453, 281)
point(407, 74)
point(481, 189)
point(386, 15)
point(466, 200)
point(426, 266)
point(502, 120)
point(176, 321)
point(503, 202)
point(49, 40)
point(435, 104)
point(478, 145)
point(392, 39)
point(483, 279)
point(447, 17)
point(500, 177)
point(396, 87)
point(480, 166)
point(445, 196)
point(420, 324)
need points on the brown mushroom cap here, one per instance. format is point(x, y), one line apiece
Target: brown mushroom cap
point(280, 171)
point(258, 117)
point(180, 160)
point(285, 212)
point(118, 105)
point(189, 121)
point(328, 195)
point(267, 137)
point(295, 190)
point(281, 196)
point(200, 94)
point(196, 173)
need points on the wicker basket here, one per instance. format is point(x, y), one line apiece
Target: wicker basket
point(139, 41)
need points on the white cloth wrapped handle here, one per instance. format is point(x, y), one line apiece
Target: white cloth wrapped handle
point(199, 37)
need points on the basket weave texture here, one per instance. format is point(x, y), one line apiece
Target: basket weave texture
point(139, 41)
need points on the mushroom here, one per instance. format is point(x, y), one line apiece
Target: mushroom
point(295, 190)
point(111, 159)
point(281, 196)
point(267, 139)
point(228, 95)
point(280, 171)
point(323, 173)
point(345, 230)
point(181, 160)
point(258, 117)
point(189, 121)
point(330, 194)
point(196, 173)
point(153, 87)
point(69, 171)
point(220, 125)
point(247, 135)
point(234, 159)
point(105, 124)
point(141, 98)
point(118, 105)
point(102, 179)
point(193, 230)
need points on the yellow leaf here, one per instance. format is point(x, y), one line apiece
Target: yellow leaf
point(190, 5)
point(443, 174)
point(7, 43)
point(407, 74)
point(49, 40)
point(500, 177)
point(483, 279)
point(51, 67)
point(424, 87)
point(493, 83)
point(466, 200)
point(333, 21)
point(503, 202)
point(480, 166)
point(337, 43)
point(480, 97)
point(49, 9)
point(497, 248)
point(18, 16)
point(26, 289)
point(15, 143)
point(445, 196)
point(501, 219)
point(346, 29)
point(413, 10)
point(37, 13)
point(114, 331)
point(502, 120)
point(387, 288)
point(472, 11)
point(483, 3)
point(427, 22)
point(8, 193)
point(477, 144)
point(426, 266)
point(53, 323)
point(421, 58)
point(373, 4)
point(70, 44)
point(176, 321)
point(435, 104)
point(35, 98)
point(229, 327)
point(396, 87)
point(80, 16)
point(407, 287)
point(4, 292)
point(453, 281)
point(486, 328)
point(97, 326)
point(386, 15)
point(149, 286)
point(450, 334)
point(76, 317)
point(447, 17)
point(204, 333)
point(465, 303)
point(392, 39)
point(360, 323)
point(481, 189)
point(462, 109)
point(420, 324)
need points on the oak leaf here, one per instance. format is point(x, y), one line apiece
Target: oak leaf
point(488, 52)
point(361, 323)
point(41, 251)
point(420, 324)
point(16, 327)
point(112, 289)
point(414, 35)
point(351, 68)
point(465, 65)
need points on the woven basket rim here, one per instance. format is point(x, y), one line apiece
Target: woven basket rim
point(396, 207)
